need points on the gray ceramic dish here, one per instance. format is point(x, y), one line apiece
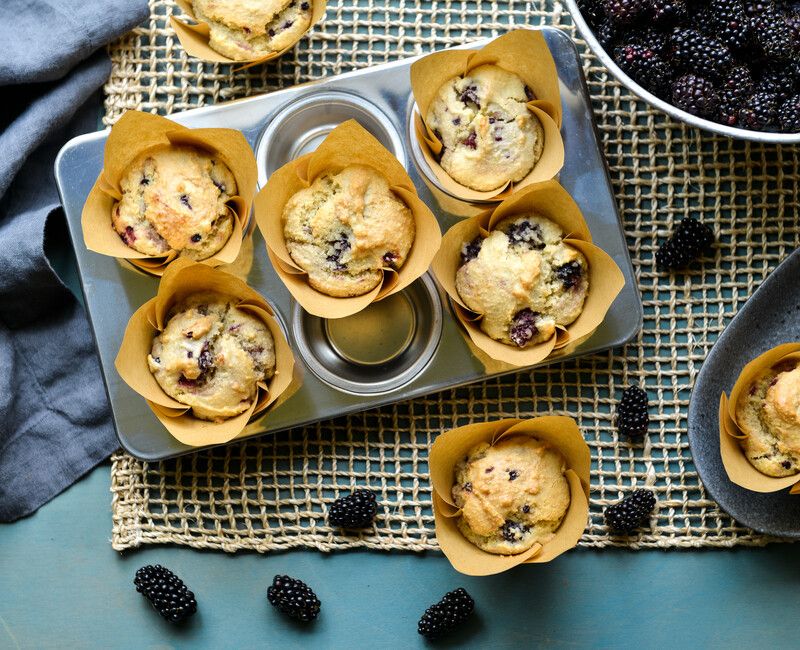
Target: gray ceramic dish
point(770, 317)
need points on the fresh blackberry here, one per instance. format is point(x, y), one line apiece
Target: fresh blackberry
point(704, 55)
point(653, 39)
point(629, 514)
point(760, 112)
point(356, 510)
point(524, 327)
point(294, 598)
point(734, 91)
point(644, 66)
point(632, 416)
point(667, 13)
point(625, 12)
point(446, 615)
point(689, 240)
point(166, 592)
point(727, 21)
point(695, 95)
point(789, 115)
point(792, 18)
point(607, 34)
point(777, 80)
point(771, 31)
point(592, 11)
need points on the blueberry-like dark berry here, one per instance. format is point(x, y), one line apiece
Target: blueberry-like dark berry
point(185, 201)
point(695, 95)
point(632, 512)
point(470, 250)
point(166, 592)
point(632, 417)
point(206, 359)
point(570, 274)
point(471, 140)
point(446, 615)
point(690, 239)
point(645, 66)
point(196, 237)
point(357, 510)
point(470, 96)
point(294, 598)
point(513, 531)
point(789, 115)
point(523, 327)
point(525, 233)
point(337, 249)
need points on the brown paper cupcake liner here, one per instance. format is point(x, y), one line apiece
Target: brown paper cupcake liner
point(134, 134)
point(182, 279)
point(348, 144)
point(737, 467)
point(195, 37)
point(522, 52)
point(549, 200)
point(561, 433)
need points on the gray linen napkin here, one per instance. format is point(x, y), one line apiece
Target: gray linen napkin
point(54, 418)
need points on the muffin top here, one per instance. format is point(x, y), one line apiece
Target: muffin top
point(248, 29)
point(211, 356)
point(512, 494)
point(769, 413)
point(175, 198)
point(489, 135)
point(524, 279)
point(345, 228)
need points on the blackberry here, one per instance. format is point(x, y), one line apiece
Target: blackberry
point(772, 33)
point(592, 11)
point(356, 510)
point(759, 112)
point(446, 615)
point(627, 515)
point(607, 33)
point(570, 274)
point(470, 250)
point(625, 11)
point(734, 91)
point(523, 327)
point(695, 95)
point(166, 592)
point(690, 239)
point(704, 55)
point(644, 66)
point(666, 13)
point(653, 39)
point(789, 115)
point(632, 416)
point(727, 21)
point(294, 598)
point(527, 234)
point(778, 80)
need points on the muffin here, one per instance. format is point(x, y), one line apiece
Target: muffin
point(769, 413)
point(212, 355)
point(523, 279)
point(248, 29)
point(512, 494)
point(345, 229)
point(488, 135)
point(175, 198)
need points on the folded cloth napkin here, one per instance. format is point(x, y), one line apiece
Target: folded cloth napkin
point(54, 418)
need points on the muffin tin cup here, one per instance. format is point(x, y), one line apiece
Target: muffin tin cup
point(560, 432)
point(348, 144)
point(522, 52)
point(183, 279)
point(551, 201)
point(134, 134)
point(734, 459)
point(194, 37)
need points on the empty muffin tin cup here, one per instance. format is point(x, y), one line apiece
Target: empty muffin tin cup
point(378, 349)
point(301, 126)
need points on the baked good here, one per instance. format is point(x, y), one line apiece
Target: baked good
point(345, 228)
point(488, 134)
point(249, 29)
point(524, 279)
point(769, 413)
point(512, 494)
point(211, 356)
point(175, 198)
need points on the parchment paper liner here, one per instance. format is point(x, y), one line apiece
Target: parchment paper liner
point(738, 468)
point(136, 133)
point(348, 144)
point(550, 200)
point(452, 446)
point(182, 279)
point(194, 37)
point(522, 52)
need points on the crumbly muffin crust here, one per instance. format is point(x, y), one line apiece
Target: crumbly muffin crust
point(512, 494)
point(524, 279)
point(211, 356)
point(345, 228)
point(489, 135)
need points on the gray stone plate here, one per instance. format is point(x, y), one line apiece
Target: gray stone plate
point(769, 318)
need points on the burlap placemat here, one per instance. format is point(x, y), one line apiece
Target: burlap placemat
point(272, 493)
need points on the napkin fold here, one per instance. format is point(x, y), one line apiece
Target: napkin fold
point(55, 423)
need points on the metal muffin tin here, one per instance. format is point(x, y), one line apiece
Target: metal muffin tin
point(406, 346)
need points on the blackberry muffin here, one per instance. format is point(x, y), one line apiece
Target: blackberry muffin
point(769, 413)
point(489, 136)
point(211, 356)
point(512, 494)
point(345, 229)
point(175, 198)
point(524, 279)
point(249, 29)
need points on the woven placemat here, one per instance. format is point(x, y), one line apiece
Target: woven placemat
point(272, 493)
